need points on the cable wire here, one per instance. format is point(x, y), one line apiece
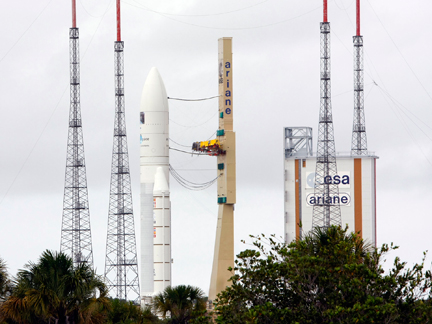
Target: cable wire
point(212, 135)
point(405, 110)
point(34, 146)
point(397, 48)
point(25, 32)
point(231, 28)
point(202, 99)
point(192, 153)
point(55, 108)
point(189, 184)
point(97, 28)
point(201, 15)
point(190, 126)
point(188, 146)
point(88, 13)
point(405, 125)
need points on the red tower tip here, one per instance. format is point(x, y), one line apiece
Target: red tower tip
point(358, 17)
point(118, 22)
point(73, 14)
point(325, 11)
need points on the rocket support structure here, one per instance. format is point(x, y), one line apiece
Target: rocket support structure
point(155, 266)
point(224, 246)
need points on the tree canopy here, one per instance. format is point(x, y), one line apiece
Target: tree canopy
point(53, 291)
point(330, 276)
point(126, 312)
point(184, 304)
point(5, 282)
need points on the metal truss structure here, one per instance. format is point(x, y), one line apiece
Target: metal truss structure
point(298, 141)
point(76, 234)
point(359, 140)
point(326, 211)
point(121, 263)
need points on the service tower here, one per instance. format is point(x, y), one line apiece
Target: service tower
point(355, 176)
point(226, 184)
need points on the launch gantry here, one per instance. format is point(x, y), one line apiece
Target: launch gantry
point(211, 148)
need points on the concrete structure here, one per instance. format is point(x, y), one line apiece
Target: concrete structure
point(356, 177)
point(224, 245)
point(154, 156)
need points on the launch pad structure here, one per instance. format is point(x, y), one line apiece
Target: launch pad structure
point(309, 194)
point(226, 184)
point(224, 148)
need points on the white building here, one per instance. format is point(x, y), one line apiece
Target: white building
point(357, 187)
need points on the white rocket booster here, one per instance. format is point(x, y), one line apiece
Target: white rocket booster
point(154, 156)
point(162, 232)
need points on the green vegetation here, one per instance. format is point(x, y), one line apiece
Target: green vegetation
point(124, 312)
point(330, 276)
point(53, 291)
point(5, 283)
point(184, 304)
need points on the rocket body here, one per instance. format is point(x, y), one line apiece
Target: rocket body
point(154, 156)
point(162, 232)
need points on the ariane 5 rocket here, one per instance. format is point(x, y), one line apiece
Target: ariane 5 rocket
point(155, 195)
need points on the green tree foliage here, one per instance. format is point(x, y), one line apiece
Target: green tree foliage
point(126, 312)
point(330, 276)
point(5, 283)
point(53, 291)
point(183, 304)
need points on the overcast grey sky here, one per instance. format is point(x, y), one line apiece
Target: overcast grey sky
point(276, 84)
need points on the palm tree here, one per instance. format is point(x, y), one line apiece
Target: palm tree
point(5, 283)
point(126, 312)
point(53, 291)
point(321, 238)
point(180, 302)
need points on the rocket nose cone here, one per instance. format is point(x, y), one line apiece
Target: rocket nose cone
point(154, 97)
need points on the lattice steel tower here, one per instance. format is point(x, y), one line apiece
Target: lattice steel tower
point(121, 264)
point(326, 211)
point(76, 234)
point(359, 140)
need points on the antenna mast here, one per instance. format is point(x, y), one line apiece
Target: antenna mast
point(326, 210)
point(359, 140)
point(121, 263)
point(76, 234)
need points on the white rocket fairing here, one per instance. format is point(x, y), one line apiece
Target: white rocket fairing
point(154, 156)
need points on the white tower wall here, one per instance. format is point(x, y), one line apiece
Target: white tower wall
point(357, 187)
point(298, 190)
